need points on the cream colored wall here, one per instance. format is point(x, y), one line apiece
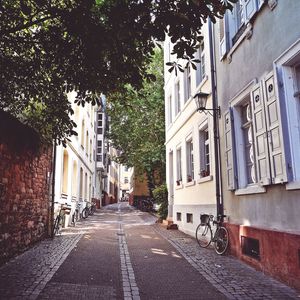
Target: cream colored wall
point(184, 125)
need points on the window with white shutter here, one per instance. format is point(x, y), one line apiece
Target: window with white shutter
point(254, 130)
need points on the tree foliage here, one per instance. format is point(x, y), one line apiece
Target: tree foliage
point(48, 48)
point(137, 126)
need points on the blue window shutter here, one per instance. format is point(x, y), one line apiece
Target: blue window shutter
point(230, 151)
point(224, 35)
point(250, 8)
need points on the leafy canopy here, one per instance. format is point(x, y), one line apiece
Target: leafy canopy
point(137, 126)
point(49, 48)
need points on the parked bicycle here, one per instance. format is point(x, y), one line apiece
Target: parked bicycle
point(65, 209)
point(205, 236)
point(76, 214)
point(89, 209)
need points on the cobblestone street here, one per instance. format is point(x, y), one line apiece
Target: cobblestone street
point(120, 253)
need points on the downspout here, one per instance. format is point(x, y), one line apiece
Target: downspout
point(219, 197)
point(53, 188)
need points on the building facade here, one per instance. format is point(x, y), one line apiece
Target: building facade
point(75, 166)
point(190, 165)
point(258, 72)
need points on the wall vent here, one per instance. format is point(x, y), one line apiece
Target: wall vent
point(250, 247)
point(189, 218)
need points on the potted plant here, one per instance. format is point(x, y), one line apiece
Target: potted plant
point(204, 173)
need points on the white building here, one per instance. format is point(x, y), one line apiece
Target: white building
point(125, 182)
point(75, 166)
point(189, 141)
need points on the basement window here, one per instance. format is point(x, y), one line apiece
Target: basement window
point(189, 218)
point(250, 247)
point(178, 216)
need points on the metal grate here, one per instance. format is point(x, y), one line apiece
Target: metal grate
point(250, 247)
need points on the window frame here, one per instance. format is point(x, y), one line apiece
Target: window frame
point(190, 163)
point(203, 142)
point(284, 79)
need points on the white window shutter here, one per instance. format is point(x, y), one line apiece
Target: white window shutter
point(224, 36)
point(230, 150)
point(250, 8)
point(260, 136)
point(273, 122)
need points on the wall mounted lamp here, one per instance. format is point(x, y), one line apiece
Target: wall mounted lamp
point(201, 99)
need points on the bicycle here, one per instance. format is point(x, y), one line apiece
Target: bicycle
point(76, 214)
point(205, 236)
point(65, 209)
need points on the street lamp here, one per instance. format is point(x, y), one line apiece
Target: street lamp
point(201, 99)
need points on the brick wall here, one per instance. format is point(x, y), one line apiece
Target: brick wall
point(24, 187)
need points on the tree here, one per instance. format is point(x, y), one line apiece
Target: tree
point(137, 126)
point(49, 48)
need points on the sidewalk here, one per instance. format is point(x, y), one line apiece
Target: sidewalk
point(231, 277)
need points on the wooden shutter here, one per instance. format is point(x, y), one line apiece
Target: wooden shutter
point(273, 124)
point(229, 150)
point(250, 8)
point(260, 136)
point(224, 36)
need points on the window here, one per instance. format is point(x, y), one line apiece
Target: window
point(65, 172)
point(189, 161)
point(91, 150)
point(248, 147)
point(204, 152)
point(178, 216)
point(288, 76)
point(99, 151)
point(200, 75)
point(177, 98)
point(74, 179)
point(170, 110)
point(126, 180)
point(87, 142)
point(178, 164)
point(82, 133)
point(233, 25)
point(188, 83)
point(189, 218)
point(99, 130)
point(253, 139)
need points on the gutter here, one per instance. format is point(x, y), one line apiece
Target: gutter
point(51, 221)
point(219, 196)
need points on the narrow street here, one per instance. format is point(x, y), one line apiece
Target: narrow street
point(120, 253)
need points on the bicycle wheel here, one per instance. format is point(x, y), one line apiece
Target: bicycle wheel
point(55, 229)
point(203, 235)
point(221, 240)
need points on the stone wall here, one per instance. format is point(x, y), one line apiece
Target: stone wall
point(25, 169)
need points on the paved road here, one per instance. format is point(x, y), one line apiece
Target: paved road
point(120, 253)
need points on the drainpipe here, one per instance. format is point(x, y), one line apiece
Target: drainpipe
point(219, 198)
point(53, 188)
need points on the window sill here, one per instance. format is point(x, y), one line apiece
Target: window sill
point(294, 185)
point(255, 189)
point(246, 34)
point(179, 187)
point(205, 179)
point(191, 183)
